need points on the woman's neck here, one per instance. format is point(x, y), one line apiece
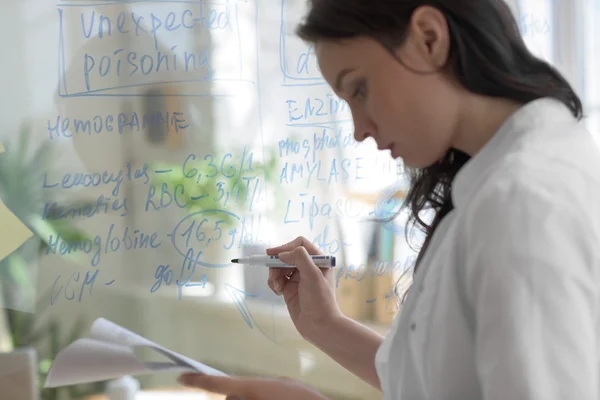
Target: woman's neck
point(480, 118)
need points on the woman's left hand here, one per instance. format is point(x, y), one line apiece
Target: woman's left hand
point(247, 388)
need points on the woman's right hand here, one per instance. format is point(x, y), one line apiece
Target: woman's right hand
point(310, 292)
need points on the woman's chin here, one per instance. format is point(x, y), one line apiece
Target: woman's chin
point(414, 164)
point(410, 161)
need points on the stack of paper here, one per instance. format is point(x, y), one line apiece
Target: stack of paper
point(108, 354)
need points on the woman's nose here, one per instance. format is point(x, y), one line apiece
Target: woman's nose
point(362, 131)
point(360, 135)
point(363, 125)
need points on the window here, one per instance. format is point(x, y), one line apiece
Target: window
point(565, 33)
point(537, 28)
point(591, 64)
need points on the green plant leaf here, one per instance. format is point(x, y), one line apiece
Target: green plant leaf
point(207, 187)
point(44, 366)
point(45, 229)
point(42, 228)
point(67, 232)
point(42, 158)
point(54, 337)
point(24, 135)
point(19, 285)
point(18, 271)
point(22, 192)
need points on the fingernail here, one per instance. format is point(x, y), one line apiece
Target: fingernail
point(277, 286)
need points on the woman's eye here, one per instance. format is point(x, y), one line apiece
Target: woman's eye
point(359, 91)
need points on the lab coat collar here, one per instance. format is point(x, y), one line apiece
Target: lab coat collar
point(538, 112)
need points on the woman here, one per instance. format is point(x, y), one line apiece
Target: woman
point(505, 298)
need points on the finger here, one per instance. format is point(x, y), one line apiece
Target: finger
point(293, 277)
point(276, 279)
point(276, 273)
point(299, 241)
point(300, 258)
point(216, 384)
point(282, 277)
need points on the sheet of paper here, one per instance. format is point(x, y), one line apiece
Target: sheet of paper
point(162, 395)
point(110, 353)
point(13, 233)
point(106, 330)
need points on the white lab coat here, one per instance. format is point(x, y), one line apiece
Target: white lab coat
point(505, 305)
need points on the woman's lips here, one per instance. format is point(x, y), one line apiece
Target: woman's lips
point(391, 149)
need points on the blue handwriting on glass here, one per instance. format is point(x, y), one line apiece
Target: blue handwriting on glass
point(164, 274)
point(295, 171)
point(67, 127)
point(162, 195)
point(376, 268)
point(321, 141)
point(223, 166)
point(80, 179)
point(316, 107)
point(79, 283)
point(113, 242)
point(532, 24)
point(238, 296)
point(53, 211)
point(206, 228)
point(327, 246)
point(126, 23)
point(299, 209)
point(131, 62)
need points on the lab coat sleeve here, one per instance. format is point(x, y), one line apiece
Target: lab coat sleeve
point(532, 284)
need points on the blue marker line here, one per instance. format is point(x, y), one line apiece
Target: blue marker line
point(95, 3)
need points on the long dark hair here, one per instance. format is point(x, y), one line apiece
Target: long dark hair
point(487, 55)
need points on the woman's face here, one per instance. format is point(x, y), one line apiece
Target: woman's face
point(411, 113)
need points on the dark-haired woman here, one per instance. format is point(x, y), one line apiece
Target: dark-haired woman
point(505, 301)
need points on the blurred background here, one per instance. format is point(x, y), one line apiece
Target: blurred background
point(147, 143)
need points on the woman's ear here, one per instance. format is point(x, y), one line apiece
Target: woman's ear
point(429, 37)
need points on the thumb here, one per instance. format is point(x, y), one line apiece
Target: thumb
point(300, 258)
point(216, 384)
